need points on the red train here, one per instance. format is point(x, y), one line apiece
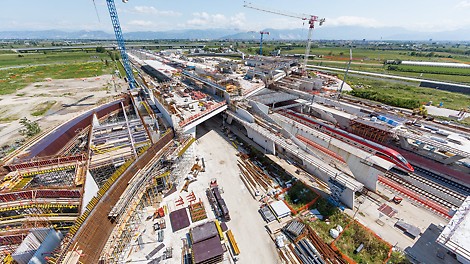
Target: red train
point(366, 145)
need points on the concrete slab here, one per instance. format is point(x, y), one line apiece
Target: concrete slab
point(414, 214)
point(221, 163)
point(426, 250)
point(246, 223)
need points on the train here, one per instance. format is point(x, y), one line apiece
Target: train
point(378, 150)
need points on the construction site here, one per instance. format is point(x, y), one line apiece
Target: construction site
point(247, 159)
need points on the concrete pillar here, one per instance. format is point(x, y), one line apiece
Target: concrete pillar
point(229, 119)
point(363, 172)
point(347, 198)
point(268, 145)
point(191, 131)
point(403, 142)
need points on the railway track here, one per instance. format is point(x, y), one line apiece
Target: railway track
point(438, 187)
point(463, 190)
point(396, 178)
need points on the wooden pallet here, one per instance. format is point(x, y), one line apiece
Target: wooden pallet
point(197, 211)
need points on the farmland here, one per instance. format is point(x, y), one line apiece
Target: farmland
point(24, 59)
point(371, 58)
point(19, 70)
point(429, 69)
point(402, 95)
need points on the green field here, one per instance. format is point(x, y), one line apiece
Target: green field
point(12, 80)
point(334, 216)
point(447, 74)
point(375, 250)
point(429, 69)
point(16, 59)
point(364, 53)
point(36, 67)
point(406, 96)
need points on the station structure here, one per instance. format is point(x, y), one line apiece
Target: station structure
point(88, 177)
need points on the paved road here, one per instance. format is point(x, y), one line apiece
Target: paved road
point(384, 75)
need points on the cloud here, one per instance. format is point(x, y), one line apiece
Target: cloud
point(153, 11)
point(463, 4)
point(353, 21)
point(206, 20)
point(140, 23)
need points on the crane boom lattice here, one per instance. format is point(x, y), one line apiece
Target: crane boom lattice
point(311, 21)
point(120, 42)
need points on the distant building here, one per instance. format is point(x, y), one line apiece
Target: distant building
point(227, 66)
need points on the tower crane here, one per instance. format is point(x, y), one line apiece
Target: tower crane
point(261, 41)
point(311, 21)
point(120, 42)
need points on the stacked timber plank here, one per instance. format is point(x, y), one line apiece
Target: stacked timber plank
point(254, 178)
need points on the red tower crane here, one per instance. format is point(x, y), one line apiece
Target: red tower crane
point(311, 21)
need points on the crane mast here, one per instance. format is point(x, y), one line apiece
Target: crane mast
point(311, 22)
point(261, 41)
point(120, 42)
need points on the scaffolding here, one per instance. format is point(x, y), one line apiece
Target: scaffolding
point(141, 192)
point(129, 213)
point(182, 165)
point(370, 131)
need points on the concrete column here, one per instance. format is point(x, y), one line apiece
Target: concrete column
point(229, 119)
point(347, 198)
point(363, 172)
point(268, 145)
point(403, 142)
point(191, 131)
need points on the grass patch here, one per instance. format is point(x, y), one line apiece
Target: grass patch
point(120, 67)
point(44, 95)
point(13, 79)
point(375, 250)
point(299, 195)
point(8, 119)
point(398, 257)
point(64, 57)
point(429, 69)
point(42, 108)
point(20, 94)
point(377, 67)
point(402, 95)
point(332, 217)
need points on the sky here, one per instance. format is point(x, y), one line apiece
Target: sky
point(159, 15)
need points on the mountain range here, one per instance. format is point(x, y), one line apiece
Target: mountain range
point(326, 33)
